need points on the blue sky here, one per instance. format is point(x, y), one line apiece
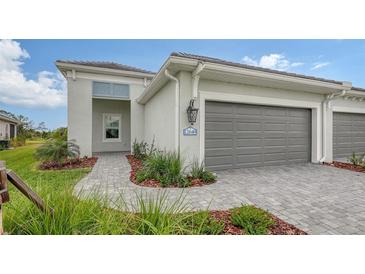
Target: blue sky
point(41, 96)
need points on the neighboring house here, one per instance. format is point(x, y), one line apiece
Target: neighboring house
point(248, 116)
point(8, 127)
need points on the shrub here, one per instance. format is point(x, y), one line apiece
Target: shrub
point(357, 160)
point(4, 144)
point(253, 220)
point(202, 223)
point(57, 151)
point(141, 150)
point(166, 167)
point(18, 141)
point(59, 134)
point(198, 171)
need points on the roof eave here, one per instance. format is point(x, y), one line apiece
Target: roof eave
point(63, 67)
point(160, 77)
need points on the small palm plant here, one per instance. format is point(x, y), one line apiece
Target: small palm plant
point(57, 150)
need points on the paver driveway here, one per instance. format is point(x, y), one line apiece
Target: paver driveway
point(318, 199)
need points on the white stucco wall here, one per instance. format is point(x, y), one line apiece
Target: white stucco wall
point(189, 145)
point(4, 130)
point(80, 118)
point(101, 106)
point(137, 113)
point(79, 110)
point(159, 118)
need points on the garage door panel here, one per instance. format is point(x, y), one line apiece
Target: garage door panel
point(348, 134)
point(273, 149)
point(219, 152)
point(215, 107)
point(243, 126)
point(214, 161)
point(248, 142)
point(248, 110)
point(274, 127)
point(274, 157)
point(248, 150)
point(248, 159)
point(274, 142)
point(297, 141)
point(260, 135)
point(275, 112)
point(219, 126)
point(221, 135)
point(222, 143)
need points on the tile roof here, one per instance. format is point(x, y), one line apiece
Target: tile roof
point(5, 117)
point(235, 64)
point(103, 64)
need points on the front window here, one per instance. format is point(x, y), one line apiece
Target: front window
point(112, 127)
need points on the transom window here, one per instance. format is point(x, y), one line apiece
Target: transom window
point(101, 89)
point(112, 124)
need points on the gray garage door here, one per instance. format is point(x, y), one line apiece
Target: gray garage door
point(348, 134)
point(241, 135)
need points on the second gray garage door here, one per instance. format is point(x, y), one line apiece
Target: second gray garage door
point(241, 135)
point(348, 134)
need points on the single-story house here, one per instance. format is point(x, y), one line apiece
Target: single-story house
point(8, 127)
point(247, 116)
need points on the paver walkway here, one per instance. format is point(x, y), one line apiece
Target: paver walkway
point(317, 199)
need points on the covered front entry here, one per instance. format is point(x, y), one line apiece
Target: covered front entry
point(111, 125)
point(242, 135)
point(348, 134)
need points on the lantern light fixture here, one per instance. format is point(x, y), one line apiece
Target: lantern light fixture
point(192, 112)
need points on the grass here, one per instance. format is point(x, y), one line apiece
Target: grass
point(253, 220)
point(91, 216)
point(165, 167)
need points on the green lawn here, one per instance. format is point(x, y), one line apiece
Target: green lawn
point(21, 161)
point(74, 216)
point(92, 216)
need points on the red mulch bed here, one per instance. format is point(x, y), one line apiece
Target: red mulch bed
point(347, 166)
point(136, 165)
point(279, 228)
point(86, 162)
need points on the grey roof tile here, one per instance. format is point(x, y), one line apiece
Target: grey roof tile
point(235, 64)
point(105, 64)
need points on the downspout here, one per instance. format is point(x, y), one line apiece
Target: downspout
point(199, 68)
point(177, 110)
point(326, 103)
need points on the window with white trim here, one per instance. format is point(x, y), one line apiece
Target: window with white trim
point(112, 125)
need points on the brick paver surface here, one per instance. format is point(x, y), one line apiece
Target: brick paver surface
point(317, 199)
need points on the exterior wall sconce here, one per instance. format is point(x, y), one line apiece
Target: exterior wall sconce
point(192, 112)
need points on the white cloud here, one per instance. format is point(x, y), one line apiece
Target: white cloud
point(48, 90)
point(320, 65)
point(272, 61)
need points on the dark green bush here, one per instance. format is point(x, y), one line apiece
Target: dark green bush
point(253, 220)
point(4, 144)
point(198, 171)
point(166, 167)
point(57, 151)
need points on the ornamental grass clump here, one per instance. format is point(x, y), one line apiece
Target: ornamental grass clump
point(165, 167)
point(357, 160)
point(253, 220)
point(198, 171)
point(141, 150)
